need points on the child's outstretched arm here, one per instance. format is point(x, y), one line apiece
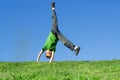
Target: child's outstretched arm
point(52, 57)
point(39, 55)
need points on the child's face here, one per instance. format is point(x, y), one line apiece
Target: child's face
point(48, 54)
point(48, 51)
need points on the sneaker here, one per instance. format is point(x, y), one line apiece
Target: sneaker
point(77, 49)
point(53, 4)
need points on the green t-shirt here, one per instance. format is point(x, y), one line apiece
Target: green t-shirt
point(51, 42)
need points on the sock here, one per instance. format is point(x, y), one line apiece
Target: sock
point(75, 47)
point(53, 8)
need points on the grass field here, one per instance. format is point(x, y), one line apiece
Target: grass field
point(72, 70)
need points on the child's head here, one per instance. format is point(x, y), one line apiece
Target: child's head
point(48, 53)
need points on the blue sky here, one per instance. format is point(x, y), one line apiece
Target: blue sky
point(94, 25)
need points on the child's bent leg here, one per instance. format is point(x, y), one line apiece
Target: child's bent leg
point(68, 43)
point(65, 41)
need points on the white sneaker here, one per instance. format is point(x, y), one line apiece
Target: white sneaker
point(77, 49)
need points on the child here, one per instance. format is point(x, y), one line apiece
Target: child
point(54, 36)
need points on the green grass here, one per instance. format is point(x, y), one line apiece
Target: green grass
point(72, 70)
